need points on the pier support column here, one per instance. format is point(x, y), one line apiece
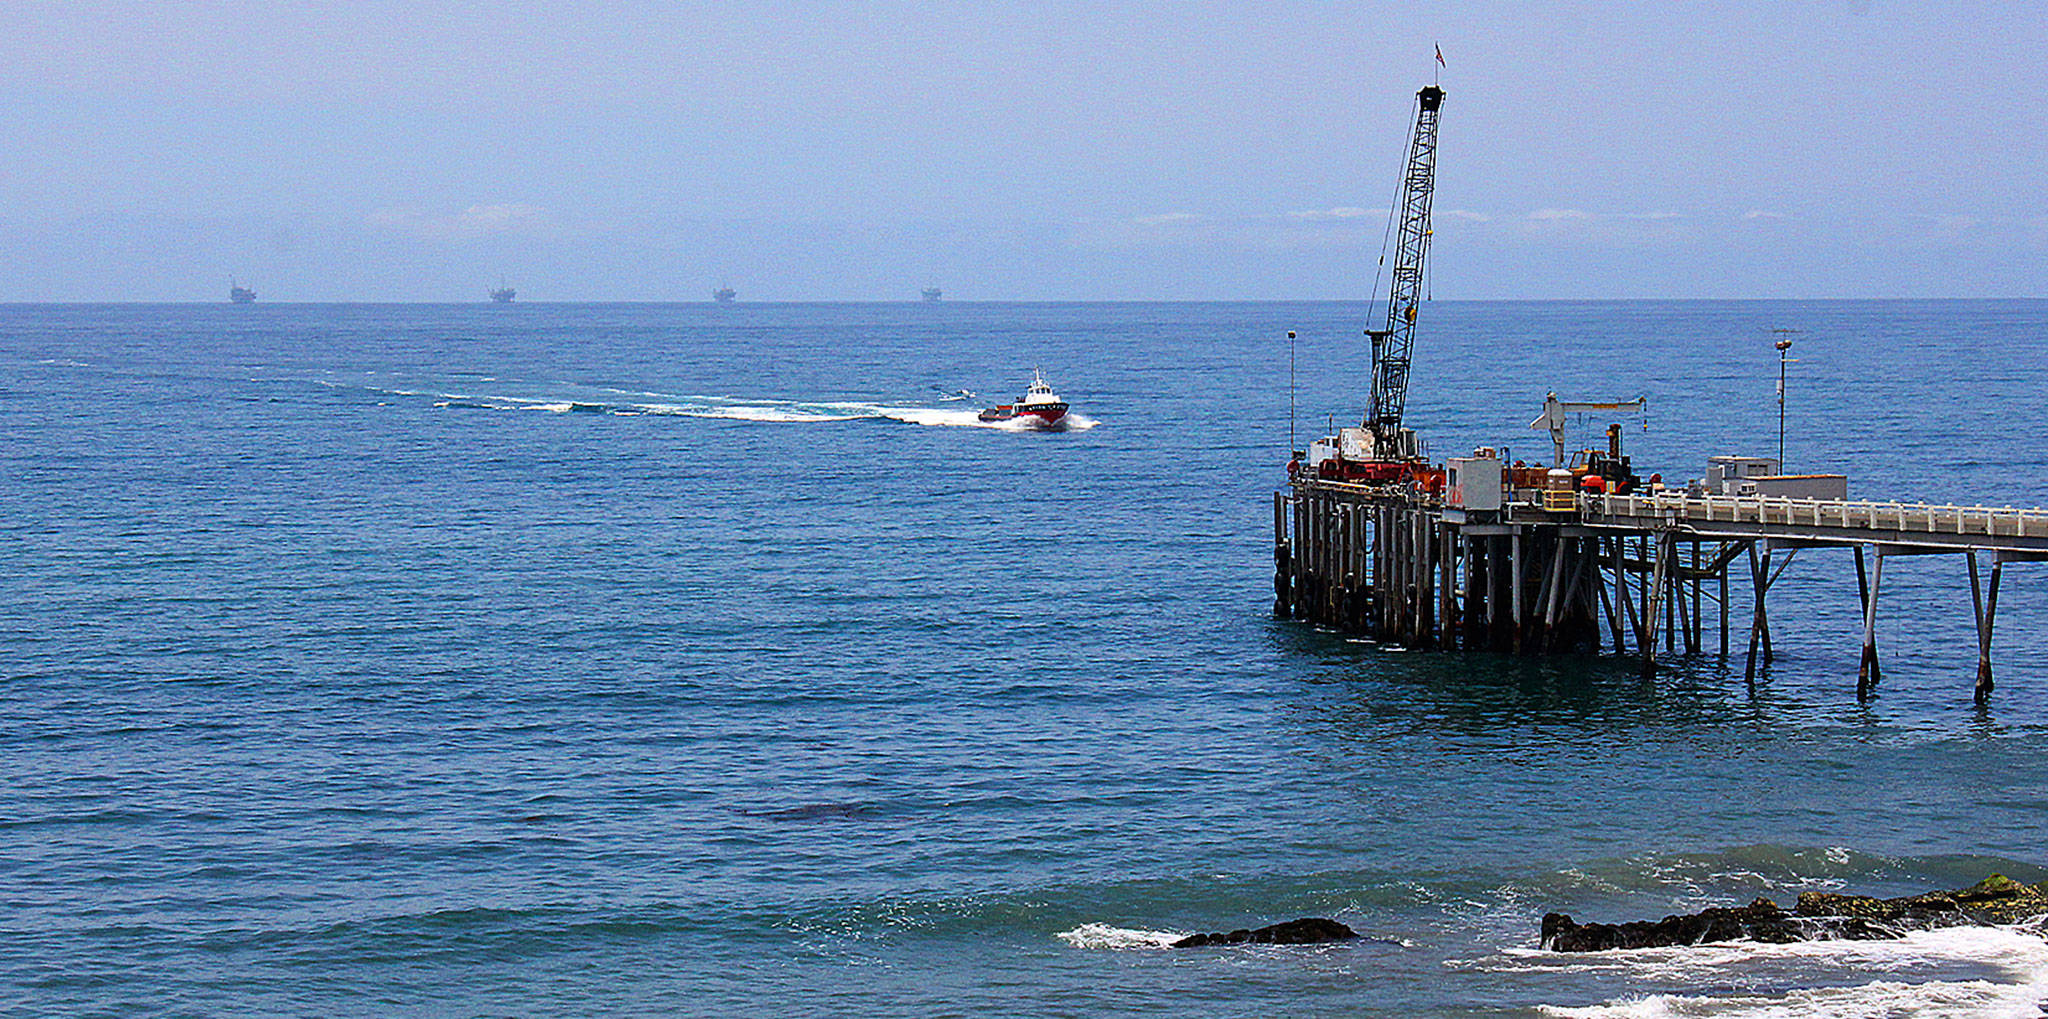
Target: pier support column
point(1387, 578)
point(1296, 573)
point(1425, 581)
point(1632, 595)
point(1554, 590)
point(1447, 588)
point(1759, 623)
point(1868, 672)
point(1987, 611)
point(1724, 608)
point(1504, 576)
point(1693, 635)
point(1660, 580)
point(1282, 582)
point(1620, 598)
point(1516, 617)
point(1485, 588)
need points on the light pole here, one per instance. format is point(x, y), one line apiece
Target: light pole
point(1784, 345)
point(1291, 448)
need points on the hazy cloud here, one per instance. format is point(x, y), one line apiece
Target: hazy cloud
point(1169, 219)
point(1606, 228)
point(475, 221)
point(1161, 229)
point(1341, 212)
point(1338, 228)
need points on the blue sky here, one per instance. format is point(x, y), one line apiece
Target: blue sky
point(859, 151)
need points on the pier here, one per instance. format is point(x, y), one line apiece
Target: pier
point(1538, 570)
point(1372, 536)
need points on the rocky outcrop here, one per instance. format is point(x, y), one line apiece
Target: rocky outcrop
point(1995, 900)
point(1818, 916)
point(1761, 920)
point(1305, 931)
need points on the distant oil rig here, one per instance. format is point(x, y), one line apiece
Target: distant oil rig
point(1371, 536)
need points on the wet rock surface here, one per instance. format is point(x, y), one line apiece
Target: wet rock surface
point(1305, 931)
point(1817, 916)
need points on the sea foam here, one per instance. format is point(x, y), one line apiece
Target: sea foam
point(1102, 935)
point(1968, 971)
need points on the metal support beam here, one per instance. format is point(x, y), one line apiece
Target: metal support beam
point(1660, 578)
point(1759, 623)
point(1722, 568)
point(1515, 585)
point(1868, 673)
point(1987, 612)
point(1692, 633)
point(1553, 587)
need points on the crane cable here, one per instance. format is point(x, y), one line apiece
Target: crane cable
point(1387, 237)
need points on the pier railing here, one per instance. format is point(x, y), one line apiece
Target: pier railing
point(1903, 522)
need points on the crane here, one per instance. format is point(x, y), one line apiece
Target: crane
point(1381, 451)
point(1394, 346)
point(1555, 411)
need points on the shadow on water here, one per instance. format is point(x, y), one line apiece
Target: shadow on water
point(1378, 687)
point(812, 812)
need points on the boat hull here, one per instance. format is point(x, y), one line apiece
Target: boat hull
point(1050, 415)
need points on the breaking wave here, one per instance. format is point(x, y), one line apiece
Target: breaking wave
point(1962, 971)
point(1104, 936)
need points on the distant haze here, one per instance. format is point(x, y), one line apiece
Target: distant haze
point(420, 151)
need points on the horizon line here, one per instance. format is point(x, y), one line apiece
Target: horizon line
point(692, 302)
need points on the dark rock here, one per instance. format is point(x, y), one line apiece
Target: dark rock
point(1761, 920)
point(1306, 931)
point(1818, 916)
point(1995, 900)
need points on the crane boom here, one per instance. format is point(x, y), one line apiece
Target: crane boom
point(1394, 346)
point(1555, 411)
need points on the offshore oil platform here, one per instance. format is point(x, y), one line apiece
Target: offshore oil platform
point(1581, 555)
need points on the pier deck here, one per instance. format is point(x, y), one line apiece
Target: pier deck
point(1899, 524)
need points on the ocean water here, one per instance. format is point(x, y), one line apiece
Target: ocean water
point(637, 660)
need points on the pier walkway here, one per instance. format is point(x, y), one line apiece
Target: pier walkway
point(1904, 525)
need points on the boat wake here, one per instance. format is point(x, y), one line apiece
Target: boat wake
point(571, 399)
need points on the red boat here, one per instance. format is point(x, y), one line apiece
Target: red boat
point(1040, 406)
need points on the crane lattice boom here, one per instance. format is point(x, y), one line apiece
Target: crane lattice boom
point(1393, 346)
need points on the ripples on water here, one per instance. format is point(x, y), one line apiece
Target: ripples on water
point(350, 670)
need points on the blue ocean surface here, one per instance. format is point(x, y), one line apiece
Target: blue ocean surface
point(653, 660)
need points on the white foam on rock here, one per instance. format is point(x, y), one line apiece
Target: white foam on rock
point(1104, 936)
point(2016, 959)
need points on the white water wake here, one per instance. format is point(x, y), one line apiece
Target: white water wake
point(1104, 936)
point(631, 404)
point(1977, 972)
